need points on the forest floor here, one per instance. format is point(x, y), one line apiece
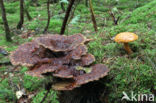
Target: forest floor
point(135, 72)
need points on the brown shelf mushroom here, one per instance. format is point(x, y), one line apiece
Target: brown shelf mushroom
point(78, 52)
point(64, 72)
point(25, 55)
point(59, 43)
point(98, 71)
point(38, 70)
point(64, 85)
point(66, 58)
point(87, 59)
point(126, 37)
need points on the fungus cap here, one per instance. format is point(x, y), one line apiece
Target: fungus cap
point(98, 71)
point(87, 59)
point(64, 85)
point(58, 43)
point(125, 37)
point(38, 70)
point(63, 72)
point(24, 55)
point(78, 52)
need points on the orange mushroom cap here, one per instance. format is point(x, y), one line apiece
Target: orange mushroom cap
point(125, 37)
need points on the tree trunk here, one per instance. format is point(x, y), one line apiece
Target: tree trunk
point(5, 22)
point(48, 12)
point(20, 24)
point(66, 16)
point(92, 15)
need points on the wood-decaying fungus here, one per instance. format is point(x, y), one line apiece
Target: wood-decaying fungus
point(65, 57)
point(126, 37)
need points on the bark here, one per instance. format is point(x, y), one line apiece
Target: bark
point(66, 17)
point(48, 12)
point(20, 24)
point(92, 15)
point(5, 22)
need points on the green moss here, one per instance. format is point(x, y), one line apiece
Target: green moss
point(55, 24)
point(32, 83)
point(3, 68)
point(136, 76)
point(6, 92)
point(146, 13)
point(50, 98)
point(23, 69)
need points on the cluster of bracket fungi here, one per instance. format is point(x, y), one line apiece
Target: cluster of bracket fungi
point(65, 57)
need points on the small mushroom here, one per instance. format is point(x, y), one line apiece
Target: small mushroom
point(126, 37)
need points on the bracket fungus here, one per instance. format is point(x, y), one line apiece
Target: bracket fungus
point(66, 58)
point(126, 37)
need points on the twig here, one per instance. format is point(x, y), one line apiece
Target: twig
point(26, 7)
point(92, 15)
point(73, 11)
point(62, 6)
point(48, 21)
point(114, 18)
point(28, 15)
point(45, 96)
point(20, 24)
point(47, 87)
point(66, 17)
